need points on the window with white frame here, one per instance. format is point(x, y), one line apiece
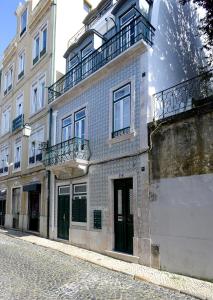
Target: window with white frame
point(21, 62)
point(36, 44)
point(79, 203)
point(19, 105)
point(17, 155)
point(66, 129)
point(4, 161)
point(23, 24)
point(8, 77)
point(38, 95)
point(40, 44)
point(86, 61)
point(35, 152)
point(121, 110)
point(43, 41)
point(6, 121)
point(80, 123)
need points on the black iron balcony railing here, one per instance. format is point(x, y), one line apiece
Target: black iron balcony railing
point(183, 96)
point(138, 29)
point(69, 150)
point(18, 122)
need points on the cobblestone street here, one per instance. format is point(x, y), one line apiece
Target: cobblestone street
point(32, 272)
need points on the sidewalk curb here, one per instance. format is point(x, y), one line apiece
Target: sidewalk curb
point(106, 264)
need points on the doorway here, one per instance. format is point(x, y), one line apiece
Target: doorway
point(63, 212)
point(16, 198)
point(34, 210)
point(123, 215)
point(2, 207)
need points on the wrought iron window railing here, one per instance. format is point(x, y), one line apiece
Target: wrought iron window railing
point(75, 148)
point(18, 122)
point(138, 29)
point(183, 96)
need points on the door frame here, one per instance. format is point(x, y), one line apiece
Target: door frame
point(111, 222)
point(6, 200)
point(28, 215)
point(57, 185)
point(11, 195)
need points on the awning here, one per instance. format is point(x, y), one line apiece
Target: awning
point(33, 187)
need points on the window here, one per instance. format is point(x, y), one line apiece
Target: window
point(128, 29)
point(23, 22)
point(44, 41)
point(21, 60)
point(79, 203)
point(4, 161)
point(19, 105)
point(38, 95)
point(36, 49)
point(35, 152)
point(8, 80)
point(121, 110)
point(40, 44)
point(72, 62)
point(80, 119)
point(127, 17)
point(6, 121)
point(66, 129)
point(17, 156)
point(86, 61)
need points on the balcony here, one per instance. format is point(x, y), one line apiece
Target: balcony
point(18, 123)
point(184, 96)
point(138, 29)
point(68, 152)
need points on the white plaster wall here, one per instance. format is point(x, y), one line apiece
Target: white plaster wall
point(176, 54)
point(181, 224)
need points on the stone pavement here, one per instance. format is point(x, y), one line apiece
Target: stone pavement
point(190, 286)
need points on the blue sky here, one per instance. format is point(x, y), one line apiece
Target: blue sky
point(7, 22)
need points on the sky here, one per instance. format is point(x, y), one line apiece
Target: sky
point(7, 22)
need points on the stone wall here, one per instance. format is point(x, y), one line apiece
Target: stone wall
point(181, 193)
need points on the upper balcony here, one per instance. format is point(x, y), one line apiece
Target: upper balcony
point(69, 153)
point(138, 29)
point(184, 96)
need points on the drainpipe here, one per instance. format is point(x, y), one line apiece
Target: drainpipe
point(53, 8)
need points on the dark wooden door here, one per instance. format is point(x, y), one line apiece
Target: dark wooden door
point(34, 210)
point(2, 210)
point(63, 216)
point(123, 215)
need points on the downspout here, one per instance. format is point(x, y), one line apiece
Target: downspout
point(52, 74)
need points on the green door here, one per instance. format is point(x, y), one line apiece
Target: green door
point(123, 214)
point(63, 216)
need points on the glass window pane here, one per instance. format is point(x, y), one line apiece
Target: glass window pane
point(124, 91)
point(44, 42)
point(119, 202)
point(126, 112)
point(117, 113)
point(80, 114)
point(127, 17)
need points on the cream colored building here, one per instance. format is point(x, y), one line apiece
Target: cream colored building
point(31, 62)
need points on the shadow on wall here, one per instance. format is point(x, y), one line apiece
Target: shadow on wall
point(177, 53)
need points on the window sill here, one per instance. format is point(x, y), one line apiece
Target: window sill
point(82, 224)
point(16, 170)
point(121, 138)
point(39, 59)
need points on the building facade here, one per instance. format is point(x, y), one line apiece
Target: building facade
point(98, 149)
point(31, 62)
